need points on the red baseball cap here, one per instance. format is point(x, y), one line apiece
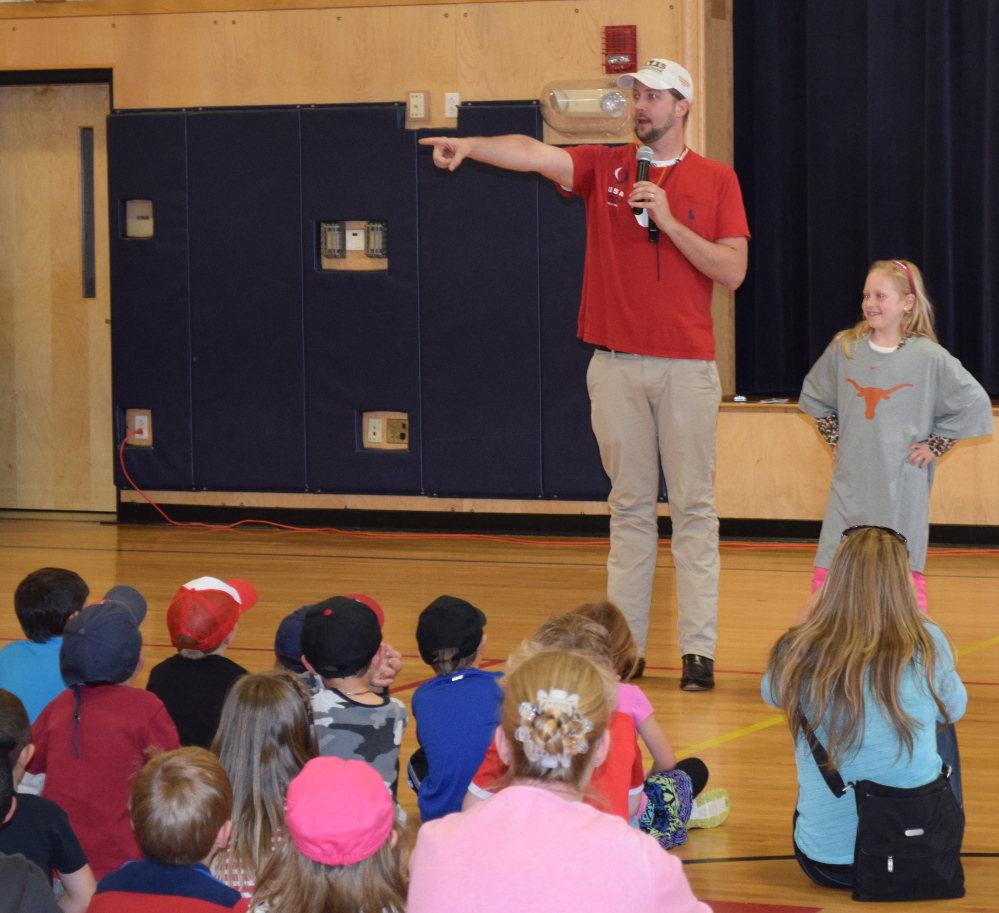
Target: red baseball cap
point(205, 610)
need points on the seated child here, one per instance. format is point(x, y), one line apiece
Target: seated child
point(43, 601)
point(288, 643)
point(535, 847)
point(180, 804)
point(264, 739)
point(288, 647)
point(342, 644)
point(24, 885)
point(40, 830)
point(617, 784)
point(457, 712)
point(674, 798)
point(92, 739)
point(202, 621)
point(346, 851)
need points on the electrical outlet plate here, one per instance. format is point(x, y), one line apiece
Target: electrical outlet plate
point(384, 431)
point(141, 422)
point(418, 107)
point(451, 102)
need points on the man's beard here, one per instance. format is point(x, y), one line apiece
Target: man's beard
point(654, 134)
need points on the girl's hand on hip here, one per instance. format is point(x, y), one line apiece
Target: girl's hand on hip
point(920, 455)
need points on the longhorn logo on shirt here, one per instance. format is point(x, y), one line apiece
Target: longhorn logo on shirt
point(873, 395)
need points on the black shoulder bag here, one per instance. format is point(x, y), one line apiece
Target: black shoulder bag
point(908, 840)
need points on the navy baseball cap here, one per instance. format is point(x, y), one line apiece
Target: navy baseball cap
point(288, 640)
point(102, 642)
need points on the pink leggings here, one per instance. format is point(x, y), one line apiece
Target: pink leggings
point(918, 580)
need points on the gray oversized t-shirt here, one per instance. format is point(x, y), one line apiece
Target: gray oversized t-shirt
point(885, 403)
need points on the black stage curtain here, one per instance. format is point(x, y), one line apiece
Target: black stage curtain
point(865, 130)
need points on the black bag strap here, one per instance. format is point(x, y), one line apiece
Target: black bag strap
point(832, 777)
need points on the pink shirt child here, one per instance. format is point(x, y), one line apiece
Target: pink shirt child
point(631, 701)
point(529, 845)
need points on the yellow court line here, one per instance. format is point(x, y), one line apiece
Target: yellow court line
point(780, 718)
point(976, 647)
point(729, 736)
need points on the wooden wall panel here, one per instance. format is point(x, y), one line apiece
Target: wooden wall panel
point(512, 50)
point(719, 143)
point(341, 56)
point(170, 61)
point(55, 422)
point(772, 465)
point(966, 486)
point(38, 44)
point(486, 51)
point(81, 8)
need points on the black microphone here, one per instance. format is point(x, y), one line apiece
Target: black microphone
point(645, 155)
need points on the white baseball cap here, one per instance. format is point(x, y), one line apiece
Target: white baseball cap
point(661, 74)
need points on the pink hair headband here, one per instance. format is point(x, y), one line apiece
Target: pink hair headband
point(908, 275)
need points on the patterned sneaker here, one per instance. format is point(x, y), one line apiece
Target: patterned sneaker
point(710, 809)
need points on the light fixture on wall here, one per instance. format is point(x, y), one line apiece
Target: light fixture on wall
point(585, 107)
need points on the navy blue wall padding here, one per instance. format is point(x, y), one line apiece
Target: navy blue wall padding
point(479, 312)
point(572, 466)
point(150, 320)
point(361, 328)
point(257, 364)
point(244, 181)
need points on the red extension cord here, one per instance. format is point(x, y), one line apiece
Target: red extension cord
point(513, 540)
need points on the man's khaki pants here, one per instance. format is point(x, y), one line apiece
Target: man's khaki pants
point(645, 410)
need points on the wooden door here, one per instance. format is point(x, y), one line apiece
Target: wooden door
point(56, 444)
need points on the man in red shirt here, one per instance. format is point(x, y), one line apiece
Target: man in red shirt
point(646, 309)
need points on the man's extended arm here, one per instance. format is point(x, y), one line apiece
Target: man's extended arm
point(514, 152)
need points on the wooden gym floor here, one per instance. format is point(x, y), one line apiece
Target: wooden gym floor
point(743, 865)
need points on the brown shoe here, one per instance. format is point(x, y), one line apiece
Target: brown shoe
point(698, 673)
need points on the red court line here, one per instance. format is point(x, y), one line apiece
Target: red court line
point(423, 681)
point(482, 665)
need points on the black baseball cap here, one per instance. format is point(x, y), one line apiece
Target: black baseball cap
point(340, 636)
point(449, 622)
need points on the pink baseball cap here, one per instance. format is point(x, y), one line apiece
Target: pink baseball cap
point(205, 610)
point(338, 812)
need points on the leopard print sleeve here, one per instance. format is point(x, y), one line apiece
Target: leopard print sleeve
point(939, 445)
point(829, 428)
